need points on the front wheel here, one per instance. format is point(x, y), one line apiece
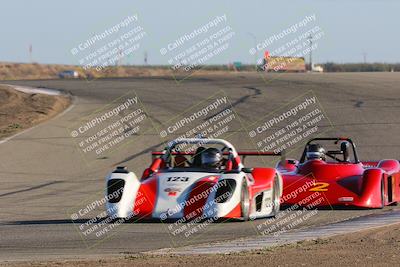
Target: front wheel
point(276, 201)
point(245, 201)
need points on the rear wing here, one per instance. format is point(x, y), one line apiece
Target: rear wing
point(242, 154)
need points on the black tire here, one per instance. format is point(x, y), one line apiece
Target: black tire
point(275, 197)
point(244, 201)
point(382, 194)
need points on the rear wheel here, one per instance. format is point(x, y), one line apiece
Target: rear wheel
point(382, 193)
point(245, 201)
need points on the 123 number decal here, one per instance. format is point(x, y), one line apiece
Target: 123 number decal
point(177, 179)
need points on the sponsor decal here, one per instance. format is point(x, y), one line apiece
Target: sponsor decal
point(172, 191)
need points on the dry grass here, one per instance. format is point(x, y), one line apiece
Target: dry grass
point(19, 71)
point(19, 111)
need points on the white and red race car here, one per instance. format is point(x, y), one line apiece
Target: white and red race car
point(195, 178)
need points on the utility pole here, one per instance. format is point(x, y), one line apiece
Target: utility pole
point(30, 53)
point(119, 61)
point(310, 43)
point(365, 57)
point(145, 58)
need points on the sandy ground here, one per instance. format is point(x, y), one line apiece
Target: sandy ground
point(377, 247)
point(19, 111)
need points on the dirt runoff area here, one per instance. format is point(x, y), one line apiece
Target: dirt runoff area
point(376, 247)
point(19, 111)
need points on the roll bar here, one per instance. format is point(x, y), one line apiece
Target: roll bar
point(336, 139)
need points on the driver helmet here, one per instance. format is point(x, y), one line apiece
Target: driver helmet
point(344, 147)
point(315, 151)
point(211, 158)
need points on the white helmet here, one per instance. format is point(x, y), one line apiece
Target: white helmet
point(315, 151)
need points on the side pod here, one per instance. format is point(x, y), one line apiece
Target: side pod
point(371, 194)
point(262, 175)
point(121, 189)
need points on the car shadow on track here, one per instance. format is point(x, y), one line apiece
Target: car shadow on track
point(33, 222)
point(158, 221)
point(90, 220)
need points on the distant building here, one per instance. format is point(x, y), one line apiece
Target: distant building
point(284, 64)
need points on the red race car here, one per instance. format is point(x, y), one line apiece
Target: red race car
point(195, 179)
point(329, 174)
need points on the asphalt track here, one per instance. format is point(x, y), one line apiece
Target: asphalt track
point(43, 176)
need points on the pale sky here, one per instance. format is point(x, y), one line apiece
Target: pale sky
point(351, 27)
